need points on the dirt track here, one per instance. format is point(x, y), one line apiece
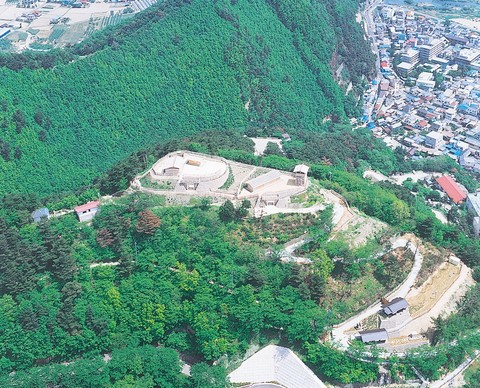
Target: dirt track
point(445, 305)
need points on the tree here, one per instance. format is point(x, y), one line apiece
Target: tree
point(425, 227)
point(242, 211)
point(18, 153)
point(147, 222)
point(42, 136)
point(205, 203)
point(105, 237)
point(38, 117)
point(272, 149)
point(19, 120)
point(226, 212)
point(160, 365)
point(203, 375)
point(322, 264)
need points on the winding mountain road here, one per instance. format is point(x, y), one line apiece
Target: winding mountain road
point(401, 291)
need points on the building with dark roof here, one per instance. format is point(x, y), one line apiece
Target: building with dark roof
point(452, 189)
point(395, 306)
point(40, 214)
point(376, 335)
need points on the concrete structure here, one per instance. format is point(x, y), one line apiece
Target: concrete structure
point(455, 261)
point(476, 226)
point(393, 323)
point(182, 175)
point(411, 56)
point(452, 189)
point(263, 180)
point(376, 335)
point(425, 81)
point(465, 57)
point(173, 169)
point(394, 315)
point(473, 204)
point(430, 50)
point(275, 366)
point(40, 214)
point(473, 207)
point(189, 170)
point(301, 172)
point(454, 39)
point(87, 212)
point(434, 140)
point(405, 68)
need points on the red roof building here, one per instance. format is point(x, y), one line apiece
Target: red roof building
point(453, 190)
point(87, 212)
point(88, 206)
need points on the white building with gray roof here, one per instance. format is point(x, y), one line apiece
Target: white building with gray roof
point(275, 366)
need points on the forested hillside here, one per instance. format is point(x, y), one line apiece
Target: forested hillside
point(147, 277)
point(175, 69)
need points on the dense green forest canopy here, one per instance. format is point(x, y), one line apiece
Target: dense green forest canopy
point(176, 69)
point(199, 272)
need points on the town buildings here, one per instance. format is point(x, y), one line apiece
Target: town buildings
point(426, 98)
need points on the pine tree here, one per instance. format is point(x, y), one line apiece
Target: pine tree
point(227, 211)
point(147, 222)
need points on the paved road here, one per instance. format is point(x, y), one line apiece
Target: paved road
point(287, 253)
point(338, 333)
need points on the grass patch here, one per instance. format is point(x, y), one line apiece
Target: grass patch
point(40, 46)
point(57, 32)
point(432, 258)
point(471, 370)
point(311, 197)
point(149, 184)
point(356, 284)
point(229, 180)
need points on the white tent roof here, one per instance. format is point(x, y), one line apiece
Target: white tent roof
point(276, 364)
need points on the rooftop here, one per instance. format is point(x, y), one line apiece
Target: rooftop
point(39, 213)
point(474, 199)
point(435, 135)
point(88, 206)
point(301, 168)
point(453, 190)
point(374, 335)
point(264, 179)
point(276, 364)
point(395, 306)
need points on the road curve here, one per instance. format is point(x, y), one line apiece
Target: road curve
point(401, 291)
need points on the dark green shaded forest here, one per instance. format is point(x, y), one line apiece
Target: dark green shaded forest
point(176, 69)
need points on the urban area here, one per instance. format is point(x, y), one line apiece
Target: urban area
point(426, 97)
